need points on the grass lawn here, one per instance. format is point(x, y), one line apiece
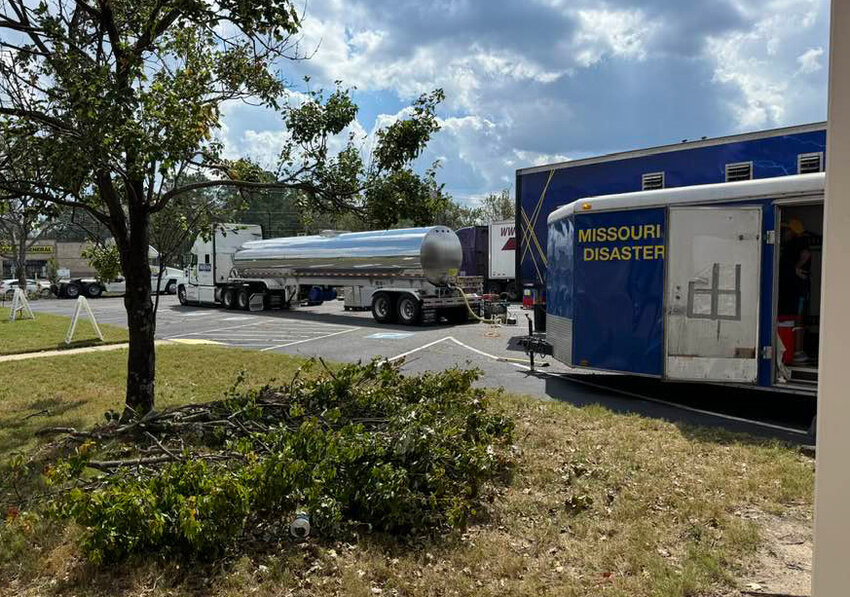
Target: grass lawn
point(601, 503)
point(47, 332)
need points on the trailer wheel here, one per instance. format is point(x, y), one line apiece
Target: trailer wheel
point(243, 299)
point(228, 298)
point(409, 310)
point(383, 309)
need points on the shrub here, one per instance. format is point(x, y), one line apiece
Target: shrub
point(362, 445)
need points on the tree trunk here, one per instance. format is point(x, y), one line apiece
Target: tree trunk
point(141, 318)
point(21, 262)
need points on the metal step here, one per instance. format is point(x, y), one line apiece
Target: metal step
point(804, 374)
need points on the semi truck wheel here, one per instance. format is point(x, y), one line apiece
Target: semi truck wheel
point(228, 298)
point(171, 287)
point(94, 290)
point(181, 295)
point(383, 308)
point(72, 291)
point(409, 310)
point(242, 299)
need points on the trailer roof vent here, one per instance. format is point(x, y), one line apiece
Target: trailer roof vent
point(809, 162)
point(652, 181)
point(739, 171)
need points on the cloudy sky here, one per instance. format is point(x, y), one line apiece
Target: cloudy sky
point(533, 81)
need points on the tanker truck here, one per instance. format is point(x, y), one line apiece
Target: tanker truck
point(407, 276)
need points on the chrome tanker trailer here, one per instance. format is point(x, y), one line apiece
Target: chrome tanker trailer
point(407, 275)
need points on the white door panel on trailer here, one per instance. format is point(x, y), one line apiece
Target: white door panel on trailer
point(713, 293)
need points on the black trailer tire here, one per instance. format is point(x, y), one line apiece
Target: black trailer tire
point(383, 307)
point(94, 290)
point(181, 295)
point(72, 291)
point(228, 298)
point(171, 287)
point(243, 299)
point(409, 310)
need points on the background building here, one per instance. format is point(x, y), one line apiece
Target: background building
point(68, 254)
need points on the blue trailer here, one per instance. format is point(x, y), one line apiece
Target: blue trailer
point(706, 283)
point(542, 189)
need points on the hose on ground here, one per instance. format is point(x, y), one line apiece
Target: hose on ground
point(469, 307)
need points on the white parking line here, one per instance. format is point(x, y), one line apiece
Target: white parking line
point(210, 331)
point(308, 340)
point(609, 389)
point(409, 352)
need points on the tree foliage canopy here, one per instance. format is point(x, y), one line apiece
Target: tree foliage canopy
point(497, 206)
point(119, 103)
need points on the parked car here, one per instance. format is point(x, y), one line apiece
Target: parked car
point(37, 288)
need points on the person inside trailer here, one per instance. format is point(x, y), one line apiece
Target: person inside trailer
point(795, 268)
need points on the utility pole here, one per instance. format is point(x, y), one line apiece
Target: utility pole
point(831, 572)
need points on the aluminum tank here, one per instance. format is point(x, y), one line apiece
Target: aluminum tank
point(432, 252)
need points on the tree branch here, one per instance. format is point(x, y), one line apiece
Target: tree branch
point(241, 184)
point(37, 116)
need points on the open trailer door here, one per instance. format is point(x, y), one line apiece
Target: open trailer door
point(712, 294)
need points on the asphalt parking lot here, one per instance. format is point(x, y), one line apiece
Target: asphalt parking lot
point(337, 335)
point(330, 332)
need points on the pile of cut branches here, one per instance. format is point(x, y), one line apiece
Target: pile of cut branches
point(358, 445)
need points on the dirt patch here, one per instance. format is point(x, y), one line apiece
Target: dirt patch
point(783, 562)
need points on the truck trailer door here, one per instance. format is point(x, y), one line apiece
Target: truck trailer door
point(712, 293)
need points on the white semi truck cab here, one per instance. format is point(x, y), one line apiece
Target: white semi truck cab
point(407, 275)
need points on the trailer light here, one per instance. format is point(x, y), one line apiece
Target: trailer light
point(586, 206)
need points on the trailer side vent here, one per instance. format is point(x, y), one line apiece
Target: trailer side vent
point(652, 181)
point(809, 162)
point(739, 171)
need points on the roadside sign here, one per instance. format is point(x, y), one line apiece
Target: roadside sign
point(20, 304)
point(82, 303)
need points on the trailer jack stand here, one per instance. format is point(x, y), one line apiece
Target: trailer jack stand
point(530, 335)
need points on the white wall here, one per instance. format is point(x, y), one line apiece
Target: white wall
point(831, 575)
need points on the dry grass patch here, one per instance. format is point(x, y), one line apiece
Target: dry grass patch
point(600, 504)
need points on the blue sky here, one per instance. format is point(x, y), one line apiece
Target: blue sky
point(533, 81)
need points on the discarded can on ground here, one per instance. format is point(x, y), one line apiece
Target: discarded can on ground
point(300, 527)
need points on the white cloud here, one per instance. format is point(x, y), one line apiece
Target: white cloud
point(761, 61)
point(526, 159)
point(539, 82)
point(809, 61)
point(617, 32)
point(764, 95)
